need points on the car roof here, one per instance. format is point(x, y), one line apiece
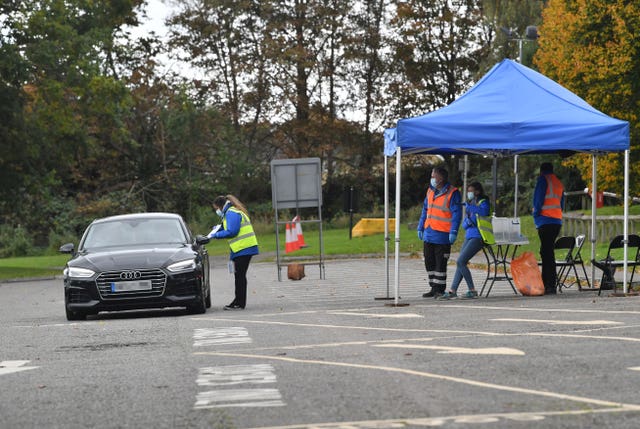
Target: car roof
point(134, 216)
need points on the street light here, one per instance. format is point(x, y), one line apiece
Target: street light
point(530, 35)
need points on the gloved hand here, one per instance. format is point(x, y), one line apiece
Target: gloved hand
point(420, 234)
point(452, 237)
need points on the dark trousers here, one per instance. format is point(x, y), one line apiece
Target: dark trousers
point(548, 234)
point(241, 265)
point(435, 261)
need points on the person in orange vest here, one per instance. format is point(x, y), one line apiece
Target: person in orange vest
point(438, 228)
point(548, 203)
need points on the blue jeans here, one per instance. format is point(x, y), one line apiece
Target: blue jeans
point(469, 248)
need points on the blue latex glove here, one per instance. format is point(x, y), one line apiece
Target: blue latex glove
point(452, 237)
point(420, 235)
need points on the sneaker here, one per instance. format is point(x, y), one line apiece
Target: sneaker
point(233, 307)
point(448, 295)
point(429, 294)
point(472, 294)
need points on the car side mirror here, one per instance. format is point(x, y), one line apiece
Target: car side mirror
point(201, 239)
point(66, 248)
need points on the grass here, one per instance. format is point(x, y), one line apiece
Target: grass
point(335, 242)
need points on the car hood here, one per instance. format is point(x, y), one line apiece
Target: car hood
point(132, 258)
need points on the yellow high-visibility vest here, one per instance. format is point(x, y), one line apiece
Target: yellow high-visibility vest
point(486, 229)
point(246, 236)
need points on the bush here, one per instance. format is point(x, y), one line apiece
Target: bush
point(15, 241)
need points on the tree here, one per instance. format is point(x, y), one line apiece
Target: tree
point(591, 47)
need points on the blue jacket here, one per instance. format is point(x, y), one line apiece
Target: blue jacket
point(539, 193)
point(439, 237)
point(233, 227)
point(474, 207)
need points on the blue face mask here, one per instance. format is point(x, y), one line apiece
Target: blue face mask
point(470, 196)
point(219, 212)
point(433, 182)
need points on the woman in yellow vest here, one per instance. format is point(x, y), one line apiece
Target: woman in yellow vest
point(237, 229)
point(477, 205)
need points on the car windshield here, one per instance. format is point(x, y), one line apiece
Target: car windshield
point(133, 232)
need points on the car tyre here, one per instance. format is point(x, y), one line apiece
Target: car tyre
point(207, 300)
point(75, 315)
point(200, 306)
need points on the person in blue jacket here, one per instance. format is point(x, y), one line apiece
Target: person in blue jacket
point(237, 229)
point(477, 204)
point(438, 228)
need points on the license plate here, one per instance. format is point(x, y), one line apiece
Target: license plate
point(131, 286)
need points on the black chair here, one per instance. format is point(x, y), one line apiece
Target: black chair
point(615, 259)
point(577, 260)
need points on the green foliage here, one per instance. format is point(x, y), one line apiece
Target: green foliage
point(14, 241)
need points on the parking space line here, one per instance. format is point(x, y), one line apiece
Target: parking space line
point(458, 350)
point(444, 420)
point(560, 322)
point(469, 382)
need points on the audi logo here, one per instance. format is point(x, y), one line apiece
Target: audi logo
point(130, 275)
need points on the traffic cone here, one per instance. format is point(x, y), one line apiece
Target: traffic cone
point(291, 240)
point(298, 224)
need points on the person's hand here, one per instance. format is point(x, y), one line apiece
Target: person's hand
point(452, 237)
point(420, 234)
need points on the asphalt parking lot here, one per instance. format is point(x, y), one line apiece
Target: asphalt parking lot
point(324, 353)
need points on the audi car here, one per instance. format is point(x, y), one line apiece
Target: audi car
point(136, 261)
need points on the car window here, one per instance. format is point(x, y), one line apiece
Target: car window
point(134, 232)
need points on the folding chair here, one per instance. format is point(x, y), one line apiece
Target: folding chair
point(565, 262)
point(614, 260)
point(577, 260)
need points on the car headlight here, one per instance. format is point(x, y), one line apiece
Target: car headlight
point(189, 264)
point(77, 272)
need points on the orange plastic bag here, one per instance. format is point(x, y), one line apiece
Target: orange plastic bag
point(526, 275)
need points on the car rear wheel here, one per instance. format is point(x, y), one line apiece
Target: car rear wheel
point(75, 315)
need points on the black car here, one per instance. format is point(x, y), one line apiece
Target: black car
point(136, 261)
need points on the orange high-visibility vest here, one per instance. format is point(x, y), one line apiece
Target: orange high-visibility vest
point(438, 212)
point(551, 207)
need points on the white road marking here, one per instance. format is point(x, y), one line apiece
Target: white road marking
point(538, 310)
point(459, 350)
point(561, 322)
point(448, 420)
point(469, 382)
point(238, 398)
point(11, 366)
point(634, 368)
point(236, 374)
point(220, 336)
point(391, 316)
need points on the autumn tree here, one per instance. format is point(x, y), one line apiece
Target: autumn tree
point(591, 47)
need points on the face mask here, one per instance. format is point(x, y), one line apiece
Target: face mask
point(433, 182)
point(219, 212)
point(470, 196)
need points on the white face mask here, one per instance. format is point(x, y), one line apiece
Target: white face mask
point(470, 196)
point(219, 212)
point(433, 182)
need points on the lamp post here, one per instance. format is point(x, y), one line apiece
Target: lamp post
point(530, 35)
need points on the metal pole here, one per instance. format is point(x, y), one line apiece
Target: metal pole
point(515, 189)
point(386, 220)
point(494, 173)
point(626, 220)
point(397, 261)
point(594, 190)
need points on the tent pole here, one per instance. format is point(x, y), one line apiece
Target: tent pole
point(494, 173)
point(594, 190)
point(626, 220)
point(386, 220)
point(515, 187)
point(397, 246)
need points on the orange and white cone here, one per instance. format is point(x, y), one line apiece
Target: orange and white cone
point(298, 226)
point(291, 240)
